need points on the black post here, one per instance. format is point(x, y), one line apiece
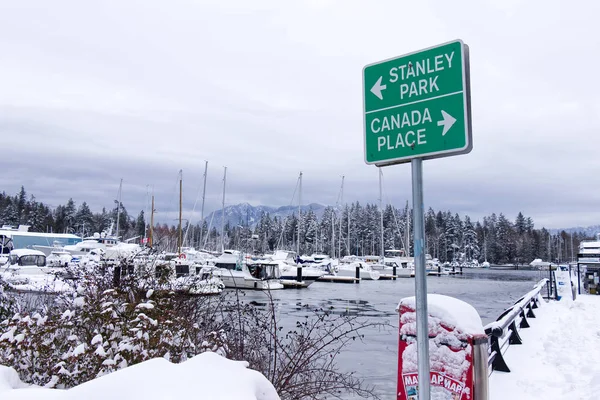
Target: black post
point(555, 286)
point(299, 274)
point(394, 272)
point(578, 279)
point(439, 270)
point(461, 269)
point(549, 281)
point(116, 276)
point(357, 274)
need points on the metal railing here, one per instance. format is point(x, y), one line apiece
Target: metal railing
point(505, 330)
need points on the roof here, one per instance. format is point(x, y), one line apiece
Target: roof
point(26, 252)
point(11, 233)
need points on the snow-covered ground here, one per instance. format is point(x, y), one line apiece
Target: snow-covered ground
point(559, 357)
point(206, 376)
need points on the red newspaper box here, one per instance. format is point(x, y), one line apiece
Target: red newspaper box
point(457, 350)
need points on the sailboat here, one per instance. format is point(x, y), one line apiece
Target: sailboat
point(179, 273)
point(234, 272)
point(485, 264)
point(392, 259)
point(293, 273)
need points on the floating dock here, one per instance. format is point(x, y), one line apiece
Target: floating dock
point(338, 279)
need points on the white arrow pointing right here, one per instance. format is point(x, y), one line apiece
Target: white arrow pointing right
point(447, 122)
point(378, 87)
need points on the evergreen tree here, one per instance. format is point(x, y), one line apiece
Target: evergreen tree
point(84, 220)
point(140, 225)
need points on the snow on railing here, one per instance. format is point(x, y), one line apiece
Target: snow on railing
point(505, 330)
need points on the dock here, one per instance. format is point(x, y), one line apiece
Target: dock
point(338, 279)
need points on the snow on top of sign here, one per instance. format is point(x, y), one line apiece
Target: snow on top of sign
point(205, 376)
point(460, 315)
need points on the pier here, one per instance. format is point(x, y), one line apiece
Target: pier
point(558, 355)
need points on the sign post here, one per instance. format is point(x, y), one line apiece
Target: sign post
point(418, 107)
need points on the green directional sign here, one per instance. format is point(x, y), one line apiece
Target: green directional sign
point(418, 105)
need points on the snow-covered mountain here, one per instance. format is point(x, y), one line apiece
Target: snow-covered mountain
point(247, 214)
point(589, 231)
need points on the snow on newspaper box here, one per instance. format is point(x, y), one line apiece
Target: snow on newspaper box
point(454, 327)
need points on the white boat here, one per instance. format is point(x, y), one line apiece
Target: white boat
point(59, 258)
point(365, 271)
point(539, 264)
point(288, 269)
point(387, 270)
point(404, 265)
point(27, 271)
point(236, 274)
point(184, 276)
point(90, 243)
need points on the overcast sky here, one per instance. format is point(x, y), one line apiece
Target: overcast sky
point(138, 90)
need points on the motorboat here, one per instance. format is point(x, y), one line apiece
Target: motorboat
point(236, 274)
point(182, 275)
point(59, 258)
point(26, 270)
point(290, 276)
point(387, 270)
point(365, 271)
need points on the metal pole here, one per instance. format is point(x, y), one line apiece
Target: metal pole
point(381, 216)
point(420, 279)
point(180, 236)
point(150, 238)
point(119, 207)
point(203, 199)
point(299, 213)
point(223, 211)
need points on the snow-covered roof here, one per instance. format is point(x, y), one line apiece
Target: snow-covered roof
point(451, 311)
point(10, 233)
point(26, 252)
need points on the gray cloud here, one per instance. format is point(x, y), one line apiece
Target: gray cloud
point(138, 90)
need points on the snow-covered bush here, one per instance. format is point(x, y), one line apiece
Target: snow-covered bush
point(104, 325)
point(7, 306)
point(99, 329)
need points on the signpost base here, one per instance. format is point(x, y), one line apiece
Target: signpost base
point(420, 279)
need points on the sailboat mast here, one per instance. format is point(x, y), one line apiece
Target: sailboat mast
point(180, 239)
point(151, 221)
point(572, 251)
point(340, 238)
point(381, 212)
point(203, 198)
point(299, 216)
point(348, 238)
point(223, 211)
point(119, 206)
point(332, 233)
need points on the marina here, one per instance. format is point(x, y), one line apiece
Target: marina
point(375, 357)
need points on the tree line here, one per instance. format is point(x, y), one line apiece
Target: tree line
point(22, 209)
point(354, 229)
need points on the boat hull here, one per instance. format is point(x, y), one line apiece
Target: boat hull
point(237, 280)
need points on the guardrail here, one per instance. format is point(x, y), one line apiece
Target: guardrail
point(505, 330)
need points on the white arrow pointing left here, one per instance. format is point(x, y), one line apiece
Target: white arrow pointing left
point(447, 122)
point(377, 88)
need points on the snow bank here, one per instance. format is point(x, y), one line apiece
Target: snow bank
point(9, 379)
point(207, 376)
point(460, 315)
point(559, 355)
